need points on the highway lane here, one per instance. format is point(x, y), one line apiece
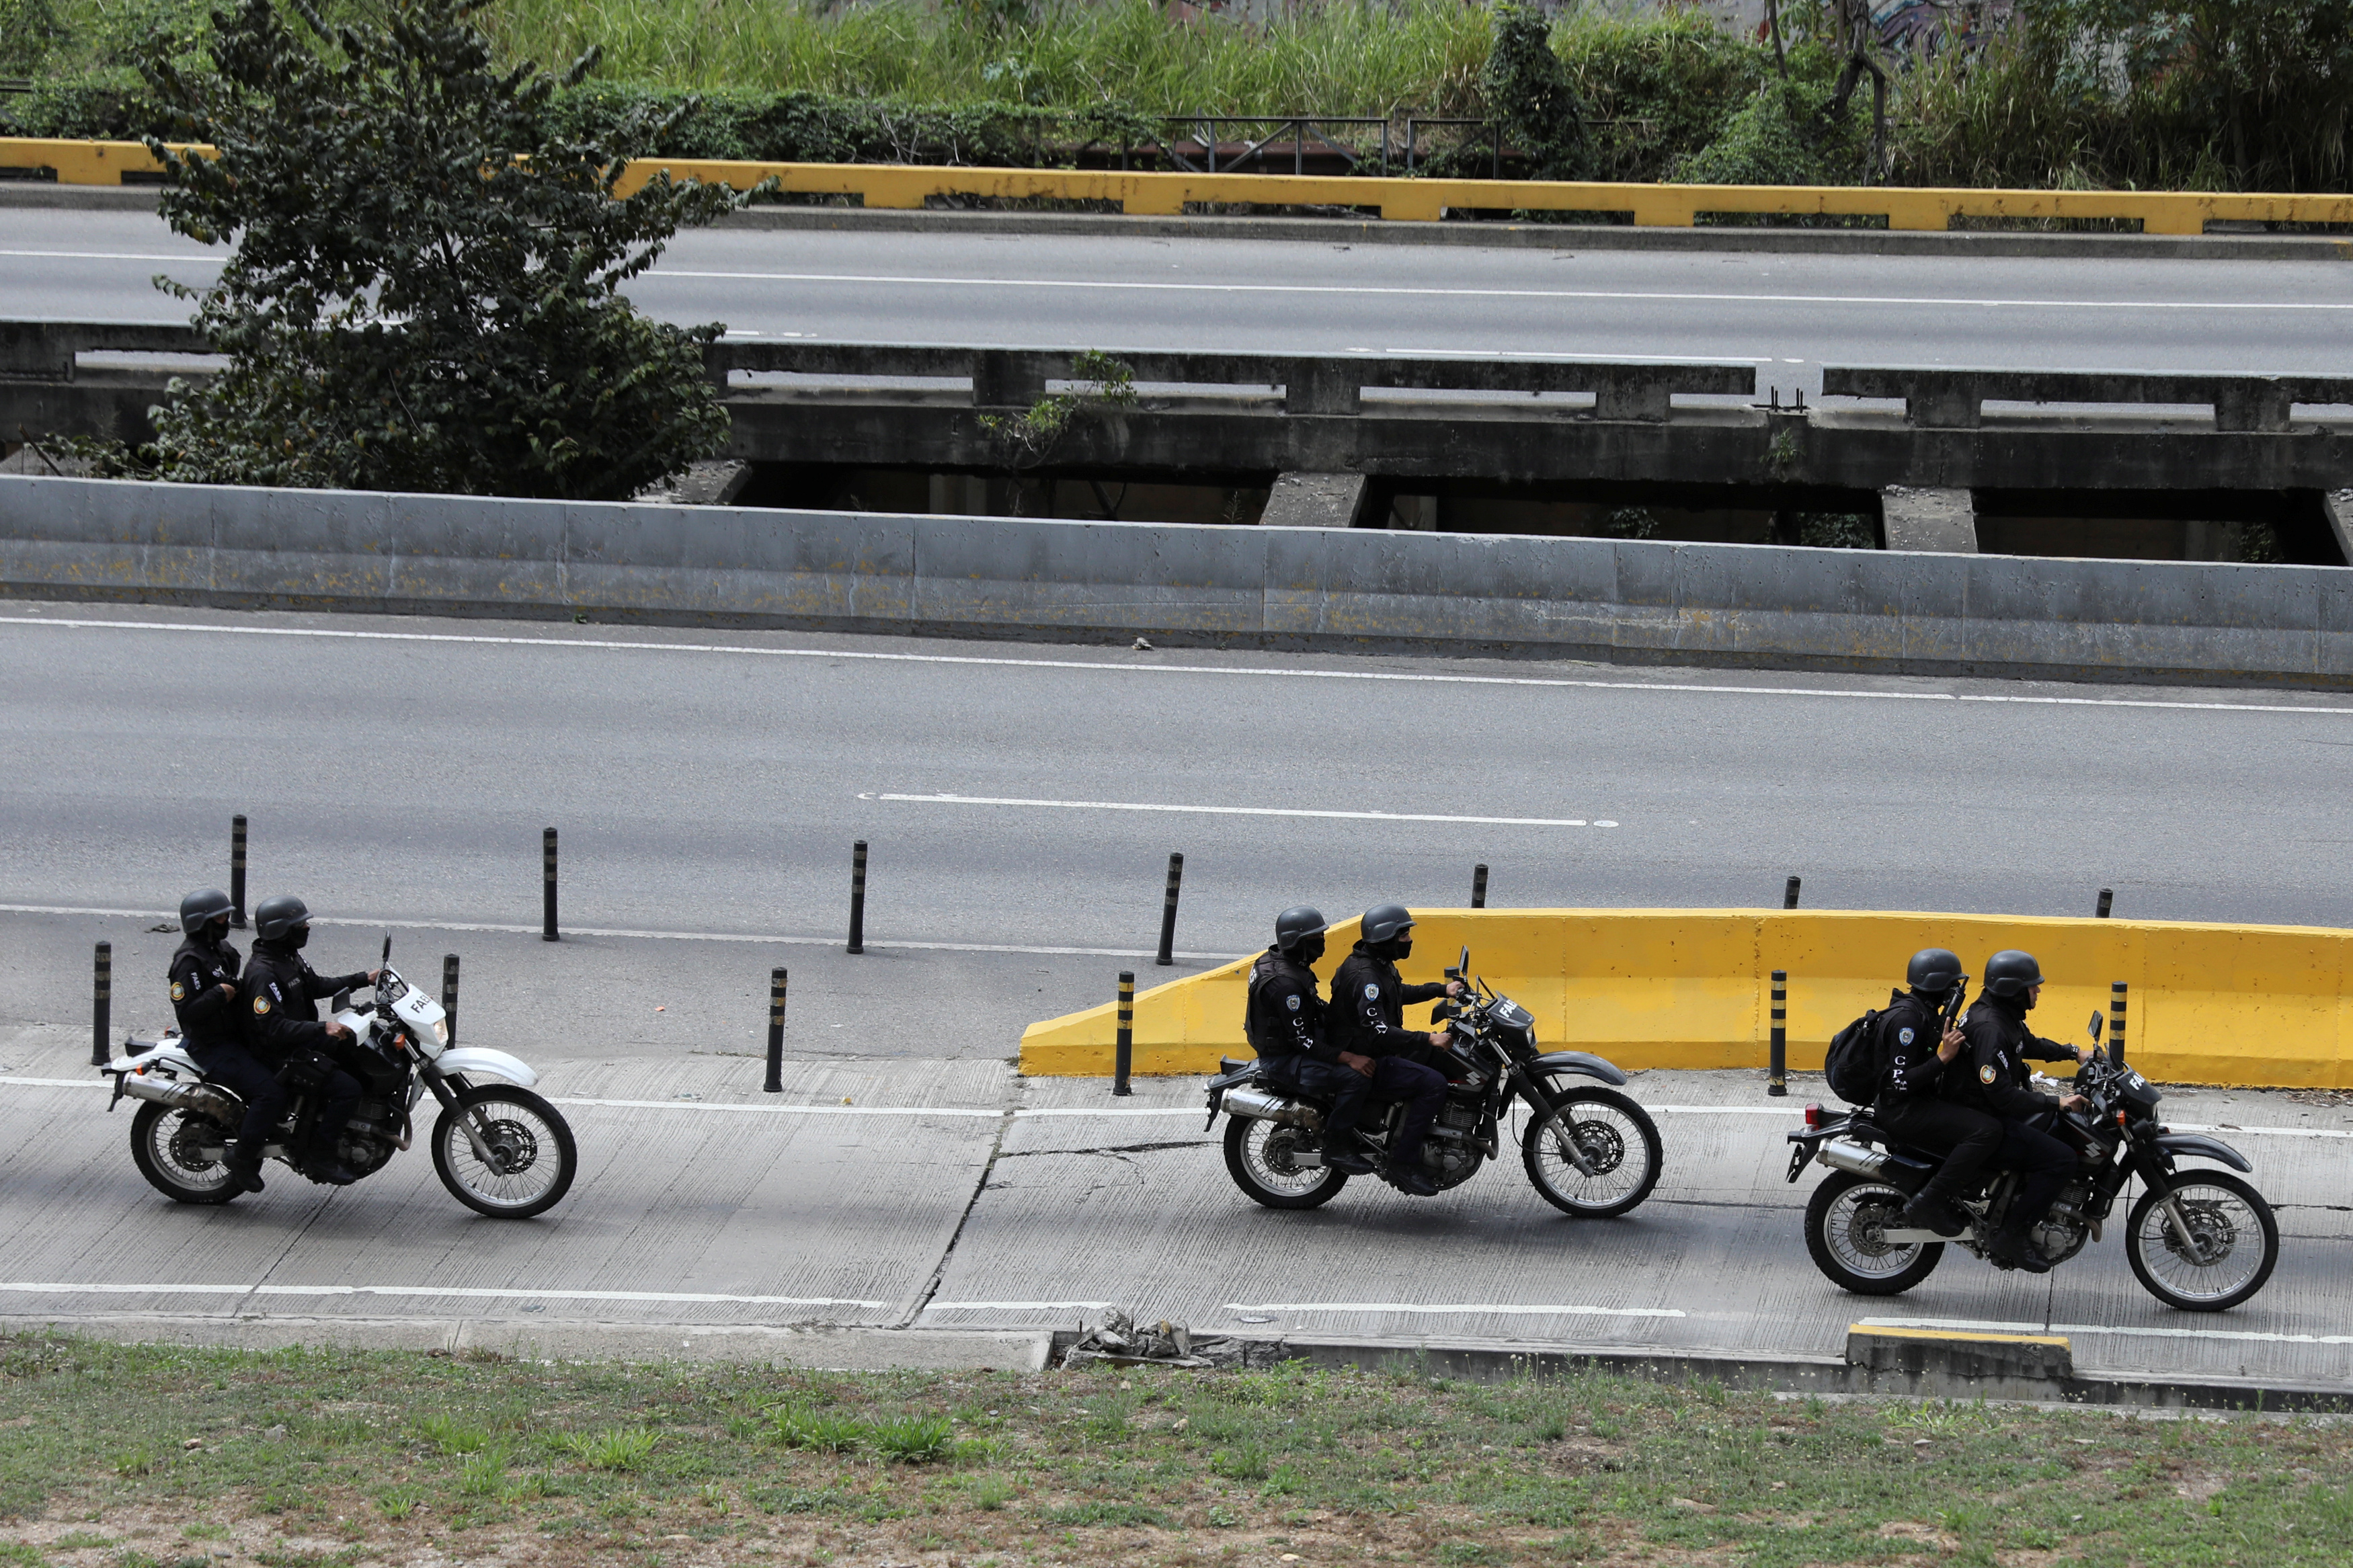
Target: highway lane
point(1788, 314)
point(710, 783)
point(952, 1195)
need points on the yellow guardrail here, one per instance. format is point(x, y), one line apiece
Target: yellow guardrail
point(1403, 200)
point(1687, 988)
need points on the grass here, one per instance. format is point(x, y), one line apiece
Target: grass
point(376, 1459)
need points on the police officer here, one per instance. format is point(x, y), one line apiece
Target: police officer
point(1286, 1025)
point(1367, 1020)
point(1914, 1051)
point(1993, 1079)
point(278, 1007)
point(204, 975)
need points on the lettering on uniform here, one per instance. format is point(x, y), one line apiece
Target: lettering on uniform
point(1984, 1074)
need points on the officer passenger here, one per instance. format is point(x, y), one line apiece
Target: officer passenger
point(1367, 1020)
point(281, 1014)
point(1285, 1022)
point(204, 973)
point(1914, 1051)
point(1993, 1079)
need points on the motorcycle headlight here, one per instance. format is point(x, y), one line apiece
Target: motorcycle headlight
point(440, 1031)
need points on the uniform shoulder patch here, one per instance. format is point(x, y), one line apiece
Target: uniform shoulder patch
point(1372, 991)
point(179, 992)
point(1292, 1001)
point(1903, 1036)
point(1986, 1074)
point(261, 1004)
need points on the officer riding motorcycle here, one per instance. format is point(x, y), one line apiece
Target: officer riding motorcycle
point(279, 1009)
point(203, 979)
point(1367, 1020)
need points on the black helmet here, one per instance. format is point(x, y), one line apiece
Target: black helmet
point(203, 907)
point(1934, 971)
point(2009, 973)
point(276, 916)
point(1295, 925)
point(1383, 921)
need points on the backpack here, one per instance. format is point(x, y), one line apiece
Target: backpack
point(1853, 1065)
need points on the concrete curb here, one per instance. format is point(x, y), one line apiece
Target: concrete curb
point(819, 1349)
point(1373, 231)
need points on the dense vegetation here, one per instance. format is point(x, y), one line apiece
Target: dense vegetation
point(2216, 94)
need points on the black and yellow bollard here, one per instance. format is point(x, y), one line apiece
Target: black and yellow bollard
point(101, 1005)
point(1790, 895)
point(2116, 1022)
point(1777, 1078)
point(857, 897)
point(547, 931)
point(236, 873)
point(1478, 885)
point(2107, 902)
point(1168, 912)
point(776, 1084)
point(1124, 1052)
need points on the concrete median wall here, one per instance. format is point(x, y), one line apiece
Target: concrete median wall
point(1626, 601)
point(1688, 988)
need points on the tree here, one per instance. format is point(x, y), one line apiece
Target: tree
point(425, 292)
point(1527, 91)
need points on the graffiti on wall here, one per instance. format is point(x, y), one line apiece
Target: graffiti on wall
point(1920, 28)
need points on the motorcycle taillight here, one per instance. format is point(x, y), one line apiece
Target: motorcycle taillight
point(1814, 1115)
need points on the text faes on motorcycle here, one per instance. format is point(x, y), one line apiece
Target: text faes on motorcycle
point(500, 1149)
point(1589, 1151)
point(2199, 1239)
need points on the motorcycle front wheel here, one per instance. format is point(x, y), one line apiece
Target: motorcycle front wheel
point(1618, 1139)
point(168, 1146)
point(2233, 1229)
point(1259, 1156)
point(532, 1160)
point(1844, 1220)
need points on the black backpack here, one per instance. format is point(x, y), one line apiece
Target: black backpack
point(1851, 1066)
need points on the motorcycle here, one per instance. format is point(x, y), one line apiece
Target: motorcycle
point(500, 1149)
point(1589, 1151)
point(2199, 1240)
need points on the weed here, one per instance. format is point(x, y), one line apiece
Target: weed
point(1239, 1464)
point(484, 1473)
point(615, 1449)
point(452, 1436)
point(1103, 1512)
point(820, 1431)
point(398, 1502)
point(914, 1440)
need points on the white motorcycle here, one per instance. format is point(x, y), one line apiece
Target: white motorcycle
point(500, 1149)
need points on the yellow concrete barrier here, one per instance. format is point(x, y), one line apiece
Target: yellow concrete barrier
point(1687, 988)
point(1403, 200)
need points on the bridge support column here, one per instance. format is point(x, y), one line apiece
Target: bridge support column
point(1944, 520)
point(2337, 509)
point(1314, 501)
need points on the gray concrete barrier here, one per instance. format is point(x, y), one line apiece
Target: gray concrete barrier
point(1616, 600)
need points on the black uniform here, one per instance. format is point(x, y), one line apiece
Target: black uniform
point(1285, 1024)
point(208, 1029)
point(1990, 1075)
point(1908, 1106)
point(279, 1006)
point(1367, 1018)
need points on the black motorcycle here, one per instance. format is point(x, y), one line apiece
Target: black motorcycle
point(2199, 1240)
point(1589, 1151)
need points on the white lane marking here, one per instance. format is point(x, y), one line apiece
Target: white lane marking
point(646, 935)
point(1239, 810)
point(789, 1110)
point(1912, 301)
point(1113, 1110)
point(120, 256)
point(1977, 1328)
point(1014, 1306)
point(1473, 1308)
point(1253, 671)
point(1572, 359)
point(471, 1293)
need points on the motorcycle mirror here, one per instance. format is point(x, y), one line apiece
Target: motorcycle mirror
point(342, 1000)
point(2099, 1021)
point(1462, 963)
point(387, 949)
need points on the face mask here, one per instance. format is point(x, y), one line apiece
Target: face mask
point(298, 938)
point(1308, 951)
point(1403, 945)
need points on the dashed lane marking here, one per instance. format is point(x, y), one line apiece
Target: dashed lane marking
point(1239, 810)
point(1470, 1308)
point(471, 1293)
point(1249, 672)
point(1969, 1326)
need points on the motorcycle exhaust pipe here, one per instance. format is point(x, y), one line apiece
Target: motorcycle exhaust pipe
point(1259, 1105)
point(1858, 1159)
point(177, 1096)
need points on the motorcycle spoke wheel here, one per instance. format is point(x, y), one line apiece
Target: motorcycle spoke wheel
point(1259, 1158)
point(1619, 1140)
point(169, 1148)
point(2235, 1230)
point(532, 1160)
point(1843, 1221)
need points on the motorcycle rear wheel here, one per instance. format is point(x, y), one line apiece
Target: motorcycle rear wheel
point(162, 1139)
point(1615, 1136)
point(1837, 1235)
point(532, 1141)
point(1257, 1158)
point(2223, 1209)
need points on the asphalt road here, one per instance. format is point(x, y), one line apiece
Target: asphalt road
point(1788, 314)
point(947, 1194)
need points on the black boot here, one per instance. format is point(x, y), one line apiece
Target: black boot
point(328, 1169)
point(247, 1177)
point(1415, 1182)
point(2013, 1250)
point(1932, 1212)
point(1346, 1155)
